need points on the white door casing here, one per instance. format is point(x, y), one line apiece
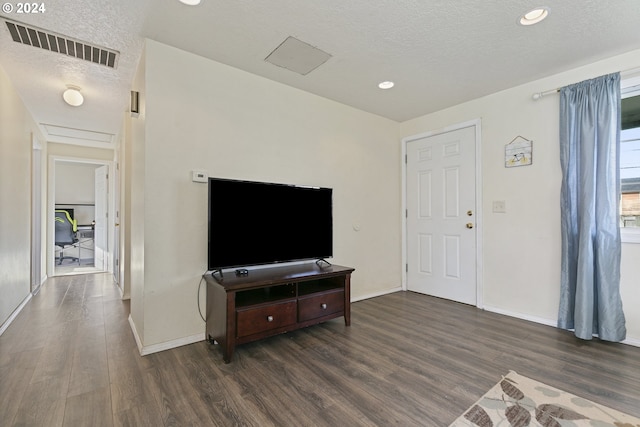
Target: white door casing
point(54, 160)
point(116, 232)
point(36, 215)
point(442, 214)
point(101, 205)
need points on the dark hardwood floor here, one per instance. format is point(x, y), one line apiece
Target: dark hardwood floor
point(70, 359)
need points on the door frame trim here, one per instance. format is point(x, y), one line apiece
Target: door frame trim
point(477, 124)
point(51, 189)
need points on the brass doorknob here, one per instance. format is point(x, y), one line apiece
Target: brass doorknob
point(469, 225)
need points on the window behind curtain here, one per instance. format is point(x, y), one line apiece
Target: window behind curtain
point(630, 159)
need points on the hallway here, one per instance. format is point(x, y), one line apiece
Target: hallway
point(55, 357)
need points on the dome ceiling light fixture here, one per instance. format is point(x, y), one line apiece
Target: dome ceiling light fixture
point(190, 2)
point(534, 16)
point(386, 84)
point(72, 96)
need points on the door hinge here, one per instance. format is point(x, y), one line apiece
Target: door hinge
point(406, 268)
point(406, 213)
point(405, 159)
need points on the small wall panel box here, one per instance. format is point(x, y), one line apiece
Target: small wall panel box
point(199, 176)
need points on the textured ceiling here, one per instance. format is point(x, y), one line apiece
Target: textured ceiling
point(41, 76)
point(439, 53)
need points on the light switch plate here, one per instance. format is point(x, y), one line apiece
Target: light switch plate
point(499, 206)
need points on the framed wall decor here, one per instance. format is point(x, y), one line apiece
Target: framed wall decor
point(518, 152)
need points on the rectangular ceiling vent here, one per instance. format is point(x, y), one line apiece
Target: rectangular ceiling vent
point(298, 56)
point(37, 37)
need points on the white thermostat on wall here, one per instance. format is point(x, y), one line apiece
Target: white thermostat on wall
point(199, 176)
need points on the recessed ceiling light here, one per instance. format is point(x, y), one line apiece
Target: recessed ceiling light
point(534, 16)
point(190, 2)
point(386, 85)
point(72, 96)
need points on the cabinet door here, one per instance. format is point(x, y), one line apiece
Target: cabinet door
point(314, 306)
point(264, 318)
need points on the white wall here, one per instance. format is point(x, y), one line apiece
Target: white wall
point(200, 114)
point(75, 183)
point(522, 246)
point(79, 151)
point(74, 178)
point(134, 147)
point(75, 187)
point(630, 289)
point(16, 128)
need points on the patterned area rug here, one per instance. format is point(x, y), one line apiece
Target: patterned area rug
point(520, 401)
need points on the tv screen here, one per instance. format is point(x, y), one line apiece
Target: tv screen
point(254, 223)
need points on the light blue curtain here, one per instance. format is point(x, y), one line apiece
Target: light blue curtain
point(590, 299)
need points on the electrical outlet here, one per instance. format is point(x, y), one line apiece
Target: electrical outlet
point(499, 206)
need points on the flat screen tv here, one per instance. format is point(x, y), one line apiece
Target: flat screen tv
point(257, 223)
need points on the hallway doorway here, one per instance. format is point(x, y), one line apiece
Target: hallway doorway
point(79, 204)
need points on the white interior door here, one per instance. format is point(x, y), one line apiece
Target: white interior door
point(100, 229)
point(116, 234)
point(441, 226)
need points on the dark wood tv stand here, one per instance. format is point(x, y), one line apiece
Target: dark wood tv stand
point(271, 301)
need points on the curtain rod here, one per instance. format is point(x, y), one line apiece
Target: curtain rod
point(539, 95)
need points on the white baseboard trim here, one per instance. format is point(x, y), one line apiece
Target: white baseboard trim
point(123, 295)
point(135, 335)
point(15, 313)
point(534, 319)
point(167, 345)
point(35, 291)
point(155, 348)
point(548, 322)
point(376, 294)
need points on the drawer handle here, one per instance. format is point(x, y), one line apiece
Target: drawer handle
point(269, 318)
point(323, 306)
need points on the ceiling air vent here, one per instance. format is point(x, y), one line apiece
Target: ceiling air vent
point(298, 56)
point(54, 42)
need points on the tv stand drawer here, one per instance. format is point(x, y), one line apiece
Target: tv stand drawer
point(252, 321)
point(318, 305)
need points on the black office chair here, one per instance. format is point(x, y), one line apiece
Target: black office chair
point(66, 228)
